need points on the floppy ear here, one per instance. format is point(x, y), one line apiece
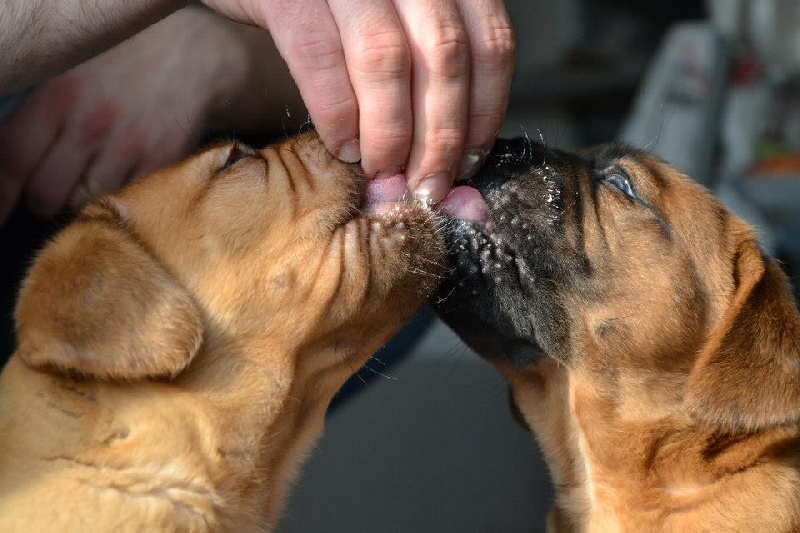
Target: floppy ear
point(747, 376)
point(96, 303)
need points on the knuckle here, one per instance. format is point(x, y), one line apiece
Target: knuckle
point(334, 111)
point(496, 45)
point(447, 52)
point(314, 49)
point(389, 146)
point(443, 146)
point(387, 54)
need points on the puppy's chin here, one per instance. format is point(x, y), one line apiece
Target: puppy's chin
point(395, 257)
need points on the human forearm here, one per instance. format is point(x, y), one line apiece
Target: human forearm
point(40, 38)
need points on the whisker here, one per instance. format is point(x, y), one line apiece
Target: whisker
point(380, 373)
point(443, 299)
point(375, 357)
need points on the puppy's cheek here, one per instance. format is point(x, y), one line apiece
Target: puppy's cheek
point(516, 412)
point(408, 254)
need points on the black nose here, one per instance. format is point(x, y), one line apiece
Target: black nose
point(513, 156)
point(512, 159)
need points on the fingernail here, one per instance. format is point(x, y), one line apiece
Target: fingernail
point(432, 188)
point(470, 163)
point(350, 151)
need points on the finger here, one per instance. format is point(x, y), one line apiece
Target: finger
point(87, 190)
point(379, 65)
point(440, 93)
point(126, 157)
point(67, 161)
point(49, 187)
point(30, 131)
point(156, 159)
point(307, 37)
point(110, 170)
point(492, 51)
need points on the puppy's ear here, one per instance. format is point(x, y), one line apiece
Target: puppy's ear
point(747, 376)
point(97, 304)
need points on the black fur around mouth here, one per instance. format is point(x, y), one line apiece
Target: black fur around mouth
point(498, 270)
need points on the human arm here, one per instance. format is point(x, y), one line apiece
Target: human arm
point(41, 38)
point(140, 106)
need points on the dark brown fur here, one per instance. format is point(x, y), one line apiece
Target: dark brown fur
point(649, 344)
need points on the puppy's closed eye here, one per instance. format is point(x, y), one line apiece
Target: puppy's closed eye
point(621, 183)
point(235, 154)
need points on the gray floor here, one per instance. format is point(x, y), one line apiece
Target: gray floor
point(432, 448)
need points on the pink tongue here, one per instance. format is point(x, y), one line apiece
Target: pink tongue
point(465, 203)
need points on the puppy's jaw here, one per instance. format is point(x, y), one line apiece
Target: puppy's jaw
point(500, 267)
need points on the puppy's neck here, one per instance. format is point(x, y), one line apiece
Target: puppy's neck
point(289, 388)
point(616, 468)
point(231, 430)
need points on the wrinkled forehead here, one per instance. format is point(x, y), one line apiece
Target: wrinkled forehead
point(697, 220)
point(644, 168)
point(651, 175)
point(169, 190)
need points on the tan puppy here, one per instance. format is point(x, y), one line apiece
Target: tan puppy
point(649, 344)
point(179, 342)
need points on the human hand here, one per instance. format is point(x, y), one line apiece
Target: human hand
point(131, 110)
point(409, 86)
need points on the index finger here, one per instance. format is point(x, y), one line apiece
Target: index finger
point(307, 37)
point(440, 94)
point(492, 47)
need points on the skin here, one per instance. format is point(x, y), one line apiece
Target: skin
point(411, 88)
point(138, 107)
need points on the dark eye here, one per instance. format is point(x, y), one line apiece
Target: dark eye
point(620, 182)
point(236, 153)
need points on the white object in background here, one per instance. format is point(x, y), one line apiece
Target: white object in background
point(676, 113)
point(774, 30)
point(746, 112)
point(728, 16)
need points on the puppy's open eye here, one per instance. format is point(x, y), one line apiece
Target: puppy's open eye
point(619, 181)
